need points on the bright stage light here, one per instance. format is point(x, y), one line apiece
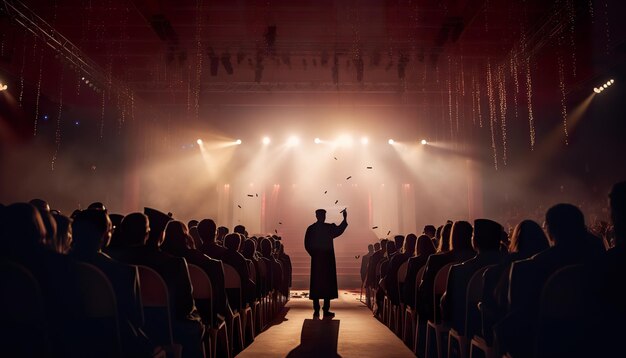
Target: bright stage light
point(364, 140)
point(344, 141)
point(596, 90)
point(238, 141)
point(266, 140)
point(199, 141)
point(391, 141)
point(293, 141)
point(3, 87)
point(612, 80)
point(605, 85)
point(424, 142)
point(317, 141)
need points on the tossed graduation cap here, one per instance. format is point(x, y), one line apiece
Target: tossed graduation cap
point(158, 220)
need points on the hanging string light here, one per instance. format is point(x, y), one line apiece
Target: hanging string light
point(514, 76)
point(492, 114)
point(450, 100)
point(22, 71)
point(529, 101)
point(562, 88)
point(57, 133)
point(478, 110)
point(38, 93)
point(503, 109)
point(473, 84)
point(198, 58)
point(102, 116)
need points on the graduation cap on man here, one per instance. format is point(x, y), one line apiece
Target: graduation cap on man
point(157, 220)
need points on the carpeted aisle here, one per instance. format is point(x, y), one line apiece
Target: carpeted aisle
point(354, 332)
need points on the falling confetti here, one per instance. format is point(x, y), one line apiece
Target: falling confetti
point(257, 195)
point(335, 158)
point(336, 201)
point(388, 232)
point(250, 195)
point(369, 167)
point(348, 178)
point(326, 191)
point(239, 206)
point(276, 231)
point(357, 257)
point(280, 223)
point(374, 227)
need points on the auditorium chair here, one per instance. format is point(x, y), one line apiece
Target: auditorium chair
point(236, 324)
point(435, 329)
point(257, 313)
point(21, 313)
point(156, 309)
point(99, 335)
point(459, 341)
point(562, 325)
point(398, 310)
point(203, 295)
point(410, 316)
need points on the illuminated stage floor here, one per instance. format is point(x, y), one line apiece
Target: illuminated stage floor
point(354, 332)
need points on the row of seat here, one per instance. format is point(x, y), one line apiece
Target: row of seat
point(23, 310)
point(562, 302)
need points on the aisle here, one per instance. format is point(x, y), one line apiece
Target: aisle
point(354, 332)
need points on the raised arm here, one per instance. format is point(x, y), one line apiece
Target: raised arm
point(339, 229)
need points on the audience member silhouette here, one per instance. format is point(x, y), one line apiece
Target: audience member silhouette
point(92, 231)
point(318, 242)
point(528, 239)
point(364, 261)
point(233, 258)
point(249, 252)
point(158, 220)
point(459, 239)
point(372, 267)
point(222, 231)
point(186, 323)
point(486, 242)
point(176, 244)
point(23, 238)
point(425, 248)
point(391, 279)
point(287, 269)
point(206, 231)
point(566, 229)
point(48, 221)
point(273, 266)
point(63, 238)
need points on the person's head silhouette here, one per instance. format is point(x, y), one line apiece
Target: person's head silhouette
point(565, 224)
point(377, 246)
point(487, 235)
point(91, 231)
point(370, 248)
point(528, 239)
point(430, 231)
point(134, 230)
point(320, 214)
point(206, 230)
point(232, 241)
point(409, 244)
point(461, 236)
point(21, 229)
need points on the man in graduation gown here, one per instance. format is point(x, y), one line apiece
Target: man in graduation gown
point(318, 242)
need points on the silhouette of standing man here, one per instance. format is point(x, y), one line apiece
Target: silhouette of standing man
point(318, 242)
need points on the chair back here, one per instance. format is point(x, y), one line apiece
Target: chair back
point(402, 271)
point(201, 282)
point(21, 312)
point(441, 281)
point(232, 283)
point(420, 275)
point(100, 335)
point(473, 295)
point(202, 291)
point(156, 304)
point(564, 328)
point(252, 270)
point(263, 276)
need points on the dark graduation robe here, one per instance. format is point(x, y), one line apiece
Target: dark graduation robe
point(318, 242)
